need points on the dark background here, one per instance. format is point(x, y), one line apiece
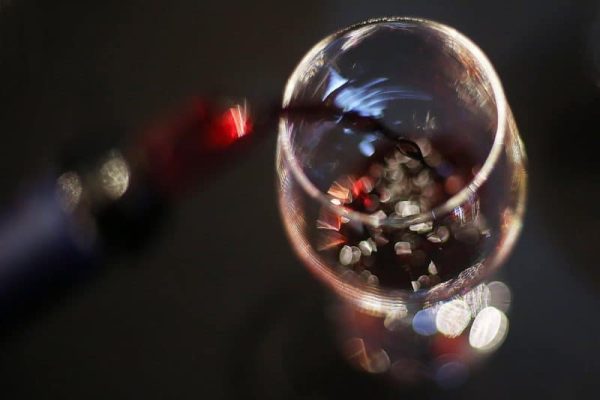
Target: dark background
point(218, 307)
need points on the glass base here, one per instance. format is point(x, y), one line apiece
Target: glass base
point(411, 345)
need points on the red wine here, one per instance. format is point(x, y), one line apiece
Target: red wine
point(419, 256)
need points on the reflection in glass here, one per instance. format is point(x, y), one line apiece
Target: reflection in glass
point(69, 190)
point(114, 176)
point(489, 329)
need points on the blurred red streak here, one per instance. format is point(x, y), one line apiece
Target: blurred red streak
point(196, 139)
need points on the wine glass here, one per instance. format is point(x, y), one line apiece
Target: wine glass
point(402, 188)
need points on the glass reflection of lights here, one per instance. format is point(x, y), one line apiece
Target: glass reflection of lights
point(69, 190)
point(500, 295)
point(489, 329)
point(451, 374)
point(396, 318)
point(452, 318)
point(452, 336)
point(374, 361)
point(114, 176)
point(424, 322)
point(478, 298)
point(236, 121)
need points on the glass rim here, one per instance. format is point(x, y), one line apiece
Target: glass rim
point(457, 199)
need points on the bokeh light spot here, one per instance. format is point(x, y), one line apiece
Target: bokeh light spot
point(489, 329)
point(452, 318)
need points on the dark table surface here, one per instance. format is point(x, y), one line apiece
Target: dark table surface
point(218, 306)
